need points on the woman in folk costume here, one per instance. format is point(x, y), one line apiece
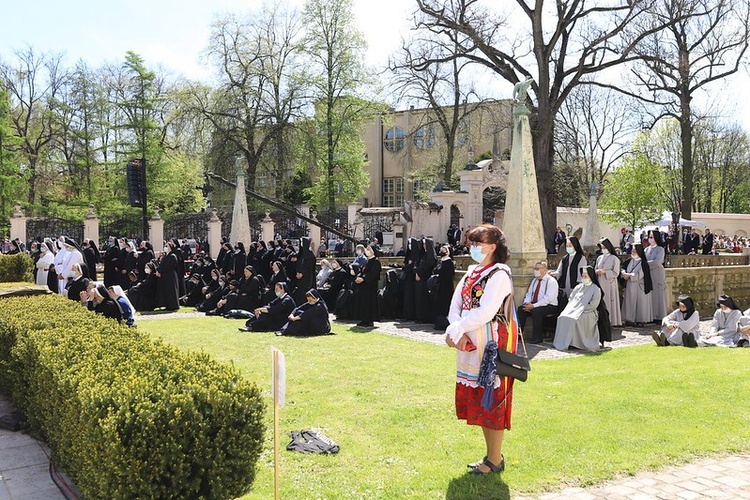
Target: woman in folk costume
point(724, 330)
point(681, 327)
point(637, 305)
point(568, 272)
point(475, 326)
point(607, 271)
point(577, 324)
point(655, 257)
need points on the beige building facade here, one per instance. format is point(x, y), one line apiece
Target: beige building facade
point(405, 149)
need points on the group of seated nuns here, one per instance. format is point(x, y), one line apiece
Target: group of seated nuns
point(284, 317)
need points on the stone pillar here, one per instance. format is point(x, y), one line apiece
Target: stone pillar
point(214, 234)
point(351, 216)
point(591, 233)
point(314, 232)
point(18, 224)
point(523, 216)
point(91, 226)
point(240, 218)
point(156, 231)
point(267, 227)
point(399, 235)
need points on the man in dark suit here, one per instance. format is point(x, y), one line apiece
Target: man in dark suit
point(692, 242)
point(708, 242)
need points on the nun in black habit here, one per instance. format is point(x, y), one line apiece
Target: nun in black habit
point(423, 272)
point(441, 299)
point(91, 257)
point(367, 291)
point(167, 284)
point(413, 255)
point(304, 270)
point(311, 318)
point(111, 258)
point(275, 314)
point(568, 272)
point(391, 295)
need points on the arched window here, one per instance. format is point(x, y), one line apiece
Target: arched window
point(424, 137)
point(394, 139)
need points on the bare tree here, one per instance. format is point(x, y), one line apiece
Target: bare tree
point(594, 128)
point(705, 41)
point(558, 43)
point(424, 73)
point(258, 96)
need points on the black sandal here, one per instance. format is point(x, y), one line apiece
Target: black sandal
point(493, 468)
point(474, 465)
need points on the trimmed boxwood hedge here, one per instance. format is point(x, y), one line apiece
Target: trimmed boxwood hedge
point(126, 416)
point(16, 267)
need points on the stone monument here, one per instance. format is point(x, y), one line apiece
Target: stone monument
point(522, 224)
point(591, 233)
point(240, 218)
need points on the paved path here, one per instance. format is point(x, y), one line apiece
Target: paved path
point(25, 474)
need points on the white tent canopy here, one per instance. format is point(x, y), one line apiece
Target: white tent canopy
point(666, 220)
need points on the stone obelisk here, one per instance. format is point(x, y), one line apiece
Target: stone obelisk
point(591, 233)
point(240, 221)
point(522, 222)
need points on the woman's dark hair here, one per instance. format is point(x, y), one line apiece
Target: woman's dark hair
point(492, 235)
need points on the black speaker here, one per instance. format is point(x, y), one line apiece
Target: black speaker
point(136, 176)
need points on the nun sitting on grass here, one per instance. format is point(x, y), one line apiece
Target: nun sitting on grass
point(311, 318)
point(273, 316)
point(724, 330)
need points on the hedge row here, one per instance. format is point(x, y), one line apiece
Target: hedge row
point(126, 416)
point(16, 267)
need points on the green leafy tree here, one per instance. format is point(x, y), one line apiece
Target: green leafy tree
point(12, 181)
point(338, 74)
point(633, 192)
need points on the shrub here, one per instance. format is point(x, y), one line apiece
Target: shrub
point(125, 416)
point(16, 267)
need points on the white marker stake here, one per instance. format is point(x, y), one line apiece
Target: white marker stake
point(279, 393)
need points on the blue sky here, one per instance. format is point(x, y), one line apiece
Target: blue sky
point(171, 33)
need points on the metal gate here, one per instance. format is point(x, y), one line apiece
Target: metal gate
point(39, 228)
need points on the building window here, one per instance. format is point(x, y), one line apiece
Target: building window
point(394, 139)
point(424, 137)
point(393, 191)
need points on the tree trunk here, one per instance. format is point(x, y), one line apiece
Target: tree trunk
point(543, 144)
point(686, 137)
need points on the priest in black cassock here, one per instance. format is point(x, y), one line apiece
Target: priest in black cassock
point(167, 285)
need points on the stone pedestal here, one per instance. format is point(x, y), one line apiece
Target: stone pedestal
point(240, 218)
point(267, 227)
point(314, 232)
point(214, 234)
point(351, 213)
point(523, 217)
point(156, 232)
point(18, 224)
point(91, 226)
point(591, 232)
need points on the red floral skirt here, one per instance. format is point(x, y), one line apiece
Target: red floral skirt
point(469, 406)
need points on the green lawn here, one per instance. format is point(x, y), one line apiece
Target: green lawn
point(388, 402)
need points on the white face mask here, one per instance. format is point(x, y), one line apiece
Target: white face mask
point(605, 251)
point(537, 273)
point(586, 281)
point(166, 249)
point(570, 250)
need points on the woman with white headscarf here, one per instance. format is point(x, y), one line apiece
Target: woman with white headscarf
point(42, 265)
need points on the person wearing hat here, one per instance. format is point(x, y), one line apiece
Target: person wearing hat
point(607, 270)
point(311, 318)
point(681, 326)
point(724, 330)
point(275, 314)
